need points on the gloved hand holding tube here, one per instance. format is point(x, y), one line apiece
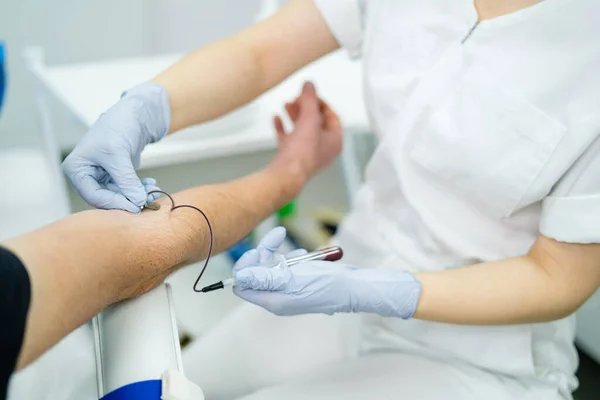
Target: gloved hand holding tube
point(101, 168)
point(320, 286)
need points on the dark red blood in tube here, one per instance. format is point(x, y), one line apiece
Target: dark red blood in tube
point(335, 255)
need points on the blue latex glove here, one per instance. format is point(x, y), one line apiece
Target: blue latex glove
point(321, 286)
point(101, 168)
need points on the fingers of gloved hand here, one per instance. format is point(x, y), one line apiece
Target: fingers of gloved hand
point(295, 253)
point(109, 184)
point(148, 181)
point(153, 196)
point(251, 258)
point(275, 302)
point(263, 278)
point(124, 175)
point(94, 194)
point(150, 186)
point(269, 244)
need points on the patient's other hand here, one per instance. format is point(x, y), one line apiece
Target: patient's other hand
point(316, 138)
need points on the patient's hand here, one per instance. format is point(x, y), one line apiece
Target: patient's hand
point(316, 138)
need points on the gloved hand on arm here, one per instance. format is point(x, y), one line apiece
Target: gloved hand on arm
point(263, 278)
point(102, 166)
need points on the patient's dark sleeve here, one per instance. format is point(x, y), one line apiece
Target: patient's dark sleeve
point(14, 304)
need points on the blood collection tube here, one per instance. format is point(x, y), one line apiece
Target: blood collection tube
point(327, 254)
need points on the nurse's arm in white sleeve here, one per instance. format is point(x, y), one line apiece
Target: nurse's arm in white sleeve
point(229, 73)
point(559, 273)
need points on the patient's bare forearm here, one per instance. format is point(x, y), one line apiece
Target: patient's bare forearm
point(73, 267)
point(233, 208)
point(87, 261)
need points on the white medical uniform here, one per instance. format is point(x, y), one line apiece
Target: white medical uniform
point(488, 136)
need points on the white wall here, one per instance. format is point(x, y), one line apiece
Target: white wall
point(69, 31)
point(183, 25)
point(76, 30)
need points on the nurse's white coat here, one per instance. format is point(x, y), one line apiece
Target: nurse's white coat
point(488, 137)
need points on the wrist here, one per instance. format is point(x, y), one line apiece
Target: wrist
point(290, 178)
point(390, 293)
point(149, 102)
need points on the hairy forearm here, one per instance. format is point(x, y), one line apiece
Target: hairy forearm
point(229, 73)
point(72, 267)
point(233, 208)
point(85, 262)
point(551, 282)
